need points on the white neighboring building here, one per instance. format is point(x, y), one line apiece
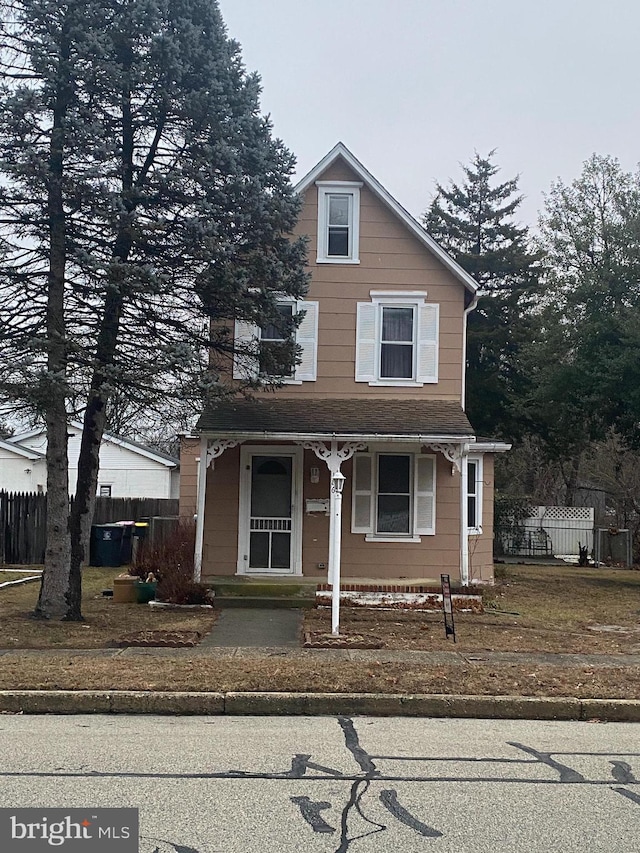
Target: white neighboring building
point(21, 469)
point(127, 469)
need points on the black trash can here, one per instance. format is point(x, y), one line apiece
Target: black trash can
point(127, 542)
point(106, 545)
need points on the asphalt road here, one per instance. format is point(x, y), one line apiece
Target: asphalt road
point(332, 785)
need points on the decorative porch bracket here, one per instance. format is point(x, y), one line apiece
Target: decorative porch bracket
point(451, 452)
point(334, 456)
point(218, 447)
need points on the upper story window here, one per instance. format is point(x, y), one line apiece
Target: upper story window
point(338, 222)
point(257, 348)
point(397, 340)
point(273, 340)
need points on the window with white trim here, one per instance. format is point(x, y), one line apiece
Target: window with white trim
point(252, 345)
point(474, 494)
point(397, 340)
point(393, 496)
point(104, 491)
point(338, 222)
point(273, 339)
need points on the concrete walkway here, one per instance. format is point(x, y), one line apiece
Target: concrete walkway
point(254, 627)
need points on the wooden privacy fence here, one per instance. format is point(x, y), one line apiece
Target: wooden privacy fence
point(23, 527)
point(132, 509)
point(23, 521)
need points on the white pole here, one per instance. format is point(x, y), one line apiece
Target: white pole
point(200, 504)
point(464, 517)
point(336, 487)
point(332, 544)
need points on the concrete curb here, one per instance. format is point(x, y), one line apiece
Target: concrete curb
point(312, 704)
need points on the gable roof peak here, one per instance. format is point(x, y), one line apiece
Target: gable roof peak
point(340, 150)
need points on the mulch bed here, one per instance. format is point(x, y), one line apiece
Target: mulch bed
point(323, 640)
point(161, 639)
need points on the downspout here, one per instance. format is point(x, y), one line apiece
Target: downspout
point(470, 307)
point(200, 504)
point(464, 515)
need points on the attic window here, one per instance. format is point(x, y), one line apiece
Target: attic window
point(338, 222)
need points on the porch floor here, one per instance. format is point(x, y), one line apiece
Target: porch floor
point(293, 592)
point(303, 582)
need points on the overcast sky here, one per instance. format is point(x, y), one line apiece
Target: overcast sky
point(414, 87)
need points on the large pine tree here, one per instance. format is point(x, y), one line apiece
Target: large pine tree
point(142, 196)
point(474, 222)
point(588, 376)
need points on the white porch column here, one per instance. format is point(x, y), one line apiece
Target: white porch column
point(200, 504)
point(334, 456)
point(209, 450)
point(464, 514)
point(337, 484)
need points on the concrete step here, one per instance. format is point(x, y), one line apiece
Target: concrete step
point(262, 586)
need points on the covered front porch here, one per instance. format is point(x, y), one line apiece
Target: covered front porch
point(308, 490)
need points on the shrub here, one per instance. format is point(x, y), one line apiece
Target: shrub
point(170, 561)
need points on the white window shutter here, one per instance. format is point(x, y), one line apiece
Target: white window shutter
point(366, 344)
point(362, 494)
point(424, 504)
point(428, 321)
point(307, 339)
point(246, 337)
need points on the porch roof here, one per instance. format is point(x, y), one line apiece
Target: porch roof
point(338, 418)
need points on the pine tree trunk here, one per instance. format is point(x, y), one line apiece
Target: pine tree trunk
point(87, 483)
point(109, 326)
point(95, 414)
point(59, 596)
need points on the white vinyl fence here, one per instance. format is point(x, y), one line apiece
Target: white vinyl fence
point(552, 531)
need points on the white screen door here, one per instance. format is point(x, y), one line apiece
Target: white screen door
point(271, 517)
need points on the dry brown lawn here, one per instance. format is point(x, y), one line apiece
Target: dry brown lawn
point(66, 672)
point(105, 621)
point(531, 609)
point(556, 607)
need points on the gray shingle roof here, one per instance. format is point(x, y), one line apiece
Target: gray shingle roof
point(341, 416)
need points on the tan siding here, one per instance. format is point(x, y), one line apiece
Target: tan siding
point(391, 258)
point(220, 547)
point(481, 547)
point(189, 451)
point(361, 559)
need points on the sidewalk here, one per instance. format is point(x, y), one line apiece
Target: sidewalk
point(255, 627)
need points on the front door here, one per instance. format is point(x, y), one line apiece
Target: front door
point(269, 527)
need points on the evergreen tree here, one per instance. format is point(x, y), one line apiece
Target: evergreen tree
point(145, 207)
point(587, 361)
point(473, 221)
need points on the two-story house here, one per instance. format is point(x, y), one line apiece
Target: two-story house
point(375, 410)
